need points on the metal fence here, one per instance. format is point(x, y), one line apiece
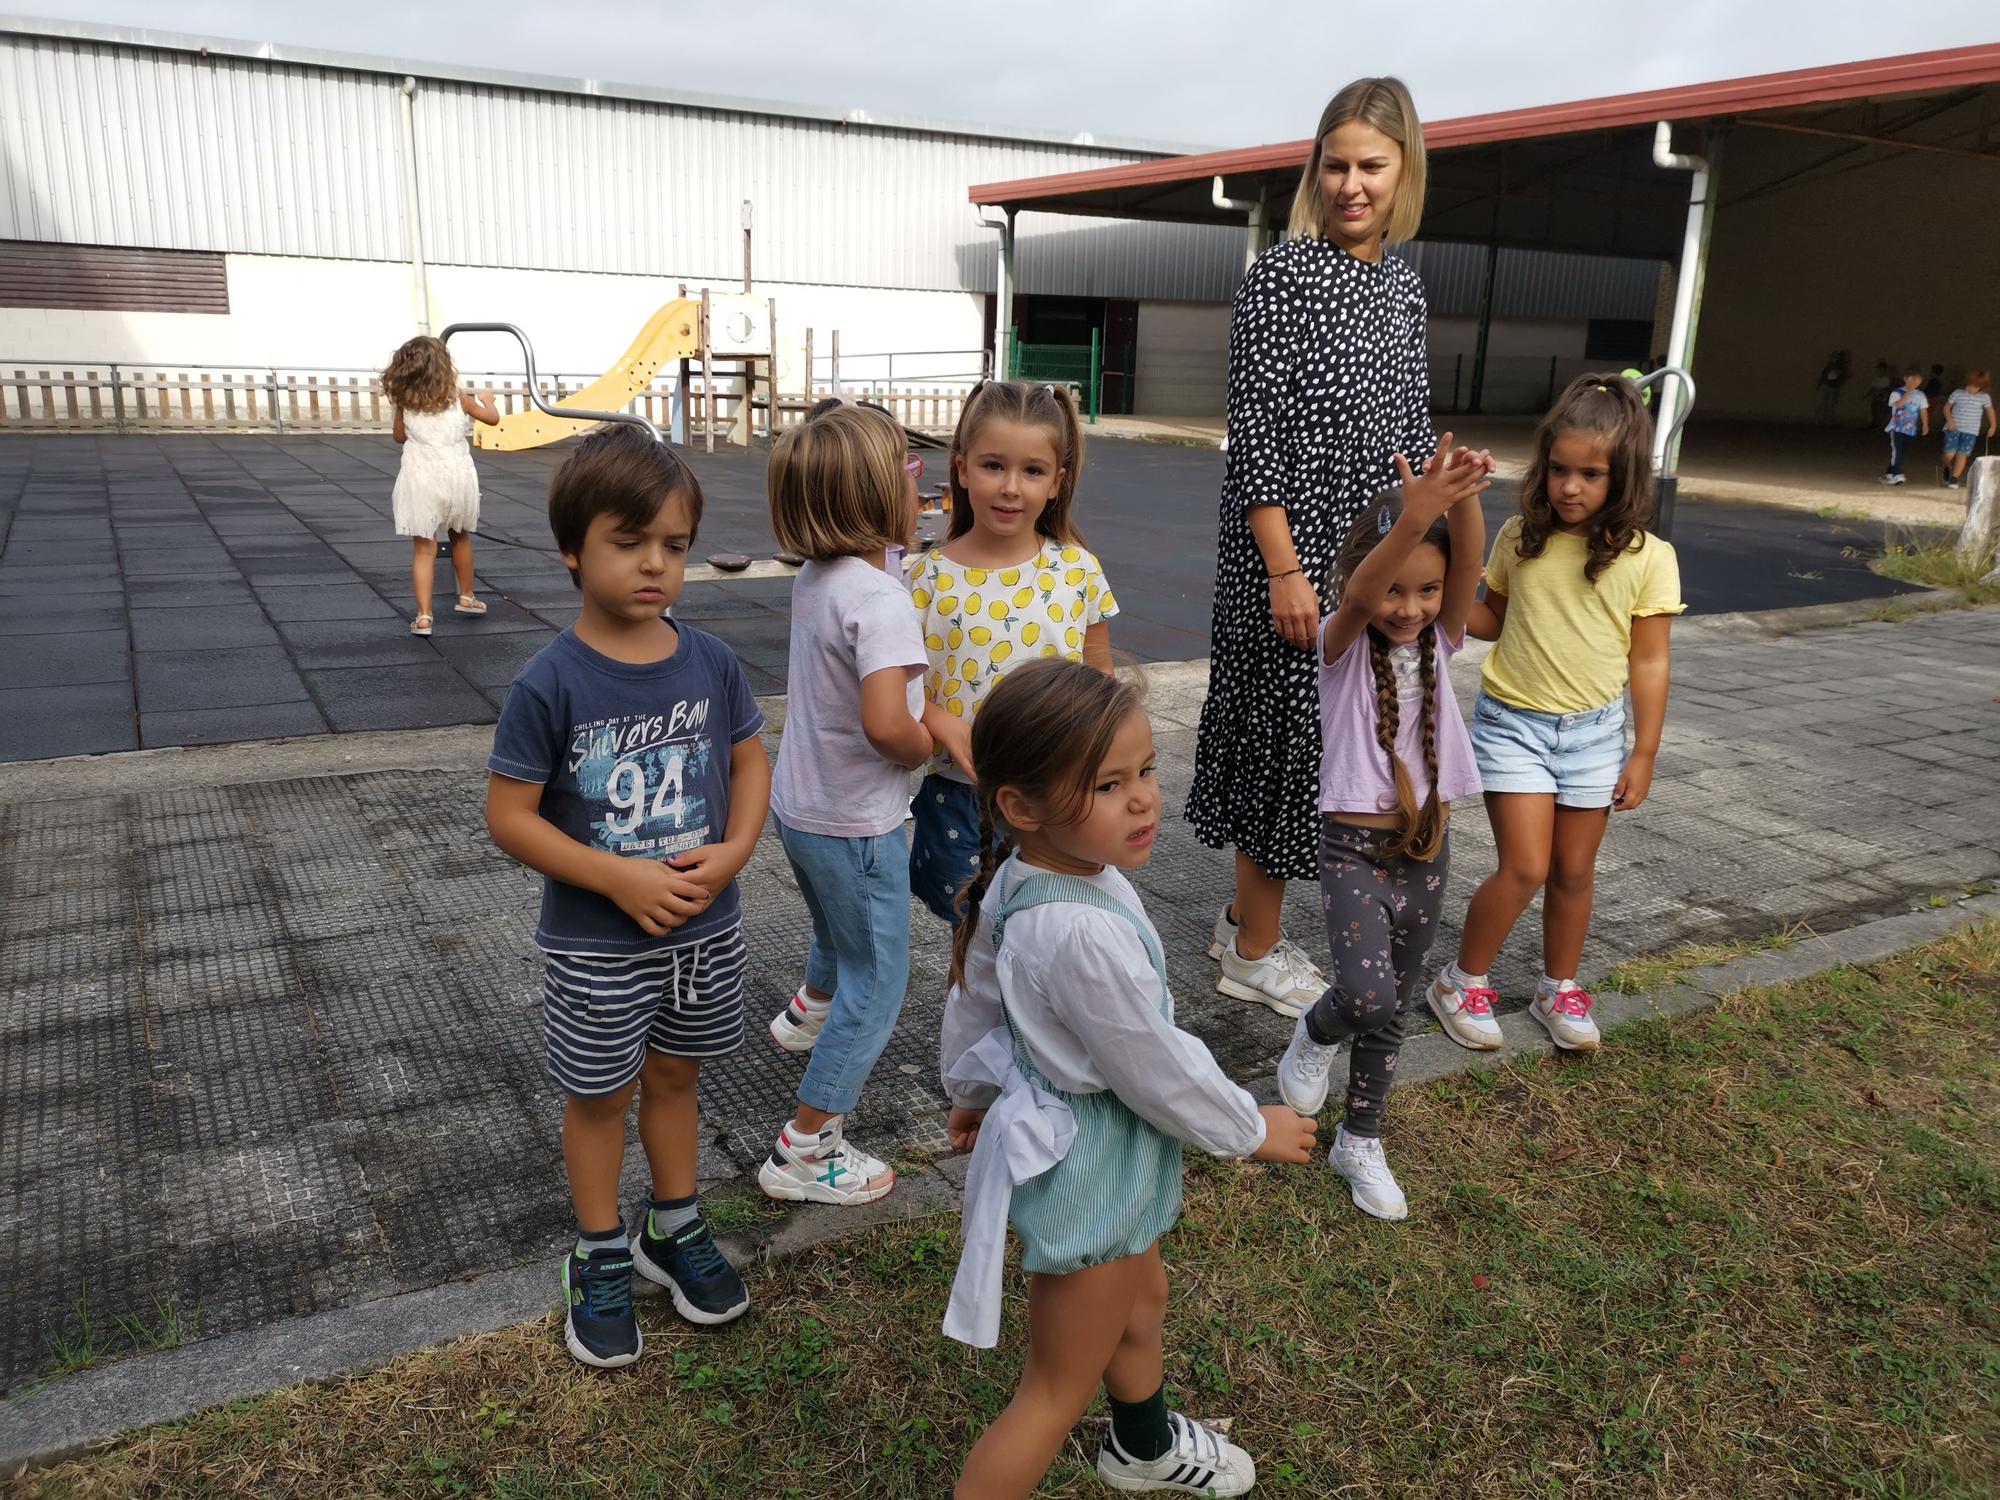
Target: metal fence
point(45, 396)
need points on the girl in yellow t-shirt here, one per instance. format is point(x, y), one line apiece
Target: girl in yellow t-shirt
point(1012, 582)
point(1579, 598)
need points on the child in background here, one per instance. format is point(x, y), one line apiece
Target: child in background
point(626, 768)
point(842, 500)
point(1966, 411)
point(1394, 758)
point(437, 488)
point(1073, 1089)
point(1011, 583)
point(1909, 418)
point(1580, 598)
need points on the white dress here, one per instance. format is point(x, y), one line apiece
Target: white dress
point(437, 489)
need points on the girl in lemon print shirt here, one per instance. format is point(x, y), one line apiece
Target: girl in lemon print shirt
point(1012, 582)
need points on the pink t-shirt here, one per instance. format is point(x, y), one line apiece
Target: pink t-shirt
point(1354, 774)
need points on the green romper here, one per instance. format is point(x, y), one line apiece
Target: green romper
point(1119, 1187)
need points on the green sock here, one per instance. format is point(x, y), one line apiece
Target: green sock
point(1141, 1427)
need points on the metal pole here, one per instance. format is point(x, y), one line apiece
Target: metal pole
point(746, 245)
point(412, 205)
point(117, 399)
point(1485, 329)
point(533, 383)
point(1693, 271)
point(707, 381)
point(833, 379)
point(1003, 311)
point(1096, 370)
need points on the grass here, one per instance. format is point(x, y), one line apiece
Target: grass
point(87, 1341)
point(1933, 564)
point(1749, 1252)
point(1655, 971)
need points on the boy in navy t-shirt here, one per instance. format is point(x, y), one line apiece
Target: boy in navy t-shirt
point(626, 768)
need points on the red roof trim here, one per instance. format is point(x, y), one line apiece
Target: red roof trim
point(1917, 72)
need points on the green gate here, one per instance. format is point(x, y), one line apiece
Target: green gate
point(1078, 366)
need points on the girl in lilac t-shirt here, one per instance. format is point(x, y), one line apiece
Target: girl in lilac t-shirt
point(1394, 756)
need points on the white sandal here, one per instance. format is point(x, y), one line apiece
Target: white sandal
point(467, 605)
point(421, 625)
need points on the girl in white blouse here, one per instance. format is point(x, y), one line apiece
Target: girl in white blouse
point(1074, 1090)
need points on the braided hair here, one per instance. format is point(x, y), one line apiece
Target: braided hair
point(1043, 730)
point(1419, 830)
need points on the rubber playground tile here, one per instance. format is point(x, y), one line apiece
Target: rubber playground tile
point(186, 593)
point(74, 719)
point(266, 572)
point(64, 660)
point(422, 696)
point(293, 602)
point(222, 726)
point(502, 615)
point(42, 616)
point(491, 661)
point(354, 643)
point(201, 629)
point(232, 678)
point(172, 562)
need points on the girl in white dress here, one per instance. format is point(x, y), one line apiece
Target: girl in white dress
point(437, 489)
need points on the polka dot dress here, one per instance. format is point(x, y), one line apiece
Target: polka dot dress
point(1327, 379)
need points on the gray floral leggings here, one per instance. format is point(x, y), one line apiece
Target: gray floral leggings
point(1381, 915)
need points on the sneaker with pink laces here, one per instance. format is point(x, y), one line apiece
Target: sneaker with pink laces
point(1565, 1011)
point(1465, 1013)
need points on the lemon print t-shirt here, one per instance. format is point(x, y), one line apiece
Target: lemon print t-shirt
point(978, 622)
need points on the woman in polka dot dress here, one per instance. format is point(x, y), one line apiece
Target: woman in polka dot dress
point(1327, 382)
point(1012, 582)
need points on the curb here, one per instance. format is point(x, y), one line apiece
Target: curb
point(93, 1408)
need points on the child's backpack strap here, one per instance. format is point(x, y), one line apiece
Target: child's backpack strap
point(1045, 886)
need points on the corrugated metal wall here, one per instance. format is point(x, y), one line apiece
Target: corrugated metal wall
point(1534, 283)
point(113, 145)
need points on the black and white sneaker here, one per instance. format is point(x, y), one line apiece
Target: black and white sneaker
point(689, 1267)
point(1201, 1462)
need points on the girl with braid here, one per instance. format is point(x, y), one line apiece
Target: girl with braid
point(1394, 757)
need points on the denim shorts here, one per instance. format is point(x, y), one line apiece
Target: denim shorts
point(1577, 757)
point(944, 843)
point(1956, 442)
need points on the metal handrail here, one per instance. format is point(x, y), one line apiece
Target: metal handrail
point(1683, 407)
point(534, 390)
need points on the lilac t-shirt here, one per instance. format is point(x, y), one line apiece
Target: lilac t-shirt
point(849, 620)
point(1354, 774)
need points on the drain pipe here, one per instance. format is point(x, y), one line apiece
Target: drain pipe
point(1254, 239)
point(1693, 271)
point(412, 214)
point(1003, 295)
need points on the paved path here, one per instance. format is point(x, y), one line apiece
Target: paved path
point(195, 590)
point(270, 1043)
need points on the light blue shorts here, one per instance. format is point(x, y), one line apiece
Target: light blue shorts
point(1577, 757)
point(1956, 442)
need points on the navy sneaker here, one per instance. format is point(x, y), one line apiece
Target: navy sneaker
point(599, 1326)
point(704, 1285)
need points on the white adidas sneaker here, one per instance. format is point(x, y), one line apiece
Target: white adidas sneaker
point(1201, 1462)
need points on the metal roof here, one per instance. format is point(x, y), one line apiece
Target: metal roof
point(1576, 176)
point(315, 57)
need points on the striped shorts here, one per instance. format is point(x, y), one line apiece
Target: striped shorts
point(601, 1014)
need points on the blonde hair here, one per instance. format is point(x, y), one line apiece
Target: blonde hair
point(1385, 104)
point(837, 485)
point(1049, 407)
point(421, 376)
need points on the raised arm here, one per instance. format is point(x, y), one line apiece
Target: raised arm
point(480, 408)
point(1468, 561)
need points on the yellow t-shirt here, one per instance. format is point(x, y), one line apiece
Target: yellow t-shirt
point(1566, 644)
point(978, 622)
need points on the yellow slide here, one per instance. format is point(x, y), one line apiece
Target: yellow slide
point(673, 333)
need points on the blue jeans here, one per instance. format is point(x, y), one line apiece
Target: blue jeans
point(858, 891)
point(1575, 757)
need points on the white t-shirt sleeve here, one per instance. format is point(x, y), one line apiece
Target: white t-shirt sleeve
point(883, 625)
point(1100, 984)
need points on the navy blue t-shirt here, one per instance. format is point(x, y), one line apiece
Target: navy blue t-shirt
point(631, 759)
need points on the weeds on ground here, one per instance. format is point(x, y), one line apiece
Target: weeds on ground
point(1933, 563)
point(1748, 1252)
point(1655, 971)
point(91, 1339)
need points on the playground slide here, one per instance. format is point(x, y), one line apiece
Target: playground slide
point(673, 333)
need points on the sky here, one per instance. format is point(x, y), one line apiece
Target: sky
point(1200, 73)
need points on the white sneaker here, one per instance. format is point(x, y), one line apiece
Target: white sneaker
point(1224, 936)
point(1201, 1462)
point(1303, 1070)
point(798, 1025)
point(1370, 1183)
point(1466, 1014)
point(1284, 979)
point(828, 1170)
point(1565, 1011)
